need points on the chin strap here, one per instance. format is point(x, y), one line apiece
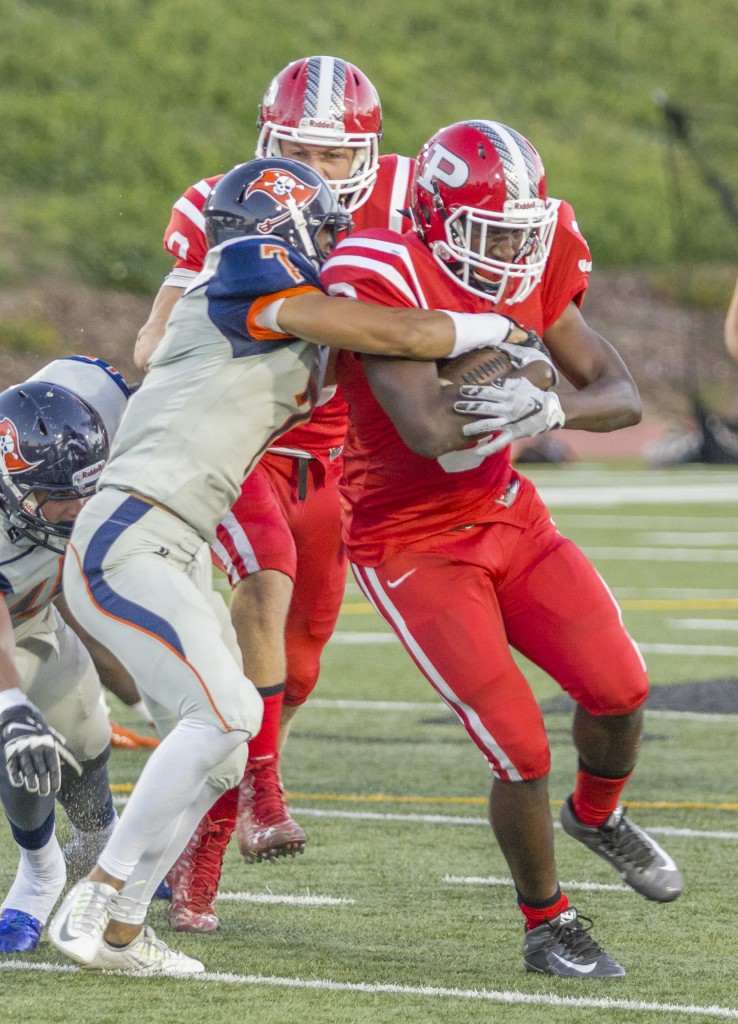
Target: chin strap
point(298, 219)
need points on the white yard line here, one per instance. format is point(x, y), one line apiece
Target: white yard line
point(456, 819)
point(508, 882)
point(717, 625)
point(376, 705)
point(690, 650)
point(428, 991)
point(695, 537)
point(344, 637)
point(660, 554)
point(607, 495)
point(627, 521)
point(452, 819)
point(693, 716)
point(674, 593)
point(297, 901)
point(427, 706)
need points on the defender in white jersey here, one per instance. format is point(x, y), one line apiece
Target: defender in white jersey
point(54, 433)
point(231, 374)
point(280, 544)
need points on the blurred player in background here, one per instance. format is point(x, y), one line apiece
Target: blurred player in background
point(421, 526)
point(730, 329)
point(709, 438)
point(54, 729)
point(280, 545)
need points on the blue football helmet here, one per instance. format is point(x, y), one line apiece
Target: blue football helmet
point(53, 447)
point(276, 197)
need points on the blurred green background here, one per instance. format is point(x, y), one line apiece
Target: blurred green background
point(111, 108)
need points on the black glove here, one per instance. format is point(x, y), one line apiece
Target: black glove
point(33, 751)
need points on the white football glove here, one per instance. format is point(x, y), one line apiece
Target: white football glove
point(33, 751)
point(523, 354)
point(516, 408)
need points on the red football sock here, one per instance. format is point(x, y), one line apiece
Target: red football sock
point(224, 808)
point(538, 913)
point(595, 798)
point(265, 743)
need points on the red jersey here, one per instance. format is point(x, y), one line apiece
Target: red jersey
point(392, 496)
point(323, 435)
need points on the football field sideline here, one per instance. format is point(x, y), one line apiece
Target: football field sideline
point(427, 991)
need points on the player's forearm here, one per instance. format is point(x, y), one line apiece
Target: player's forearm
point(9, 676)
point(605, 405)
point(146, 344)
point(152, 331)
point(433, 431)
point(380, 330)
point(606, 396)
point(420, 408)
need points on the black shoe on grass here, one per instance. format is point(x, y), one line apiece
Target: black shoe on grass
point(637, 858)
point(564, 947)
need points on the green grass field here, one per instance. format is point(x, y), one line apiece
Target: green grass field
point(110, 110)
point(400, 909)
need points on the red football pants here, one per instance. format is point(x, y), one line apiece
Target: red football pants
point(272, 527)
point(460, 600)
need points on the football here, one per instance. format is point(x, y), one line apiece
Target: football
point(486, 365)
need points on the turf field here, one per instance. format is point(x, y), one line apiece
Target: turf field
point(400, 909)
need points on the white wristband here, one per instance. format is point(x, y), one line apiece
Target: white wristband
point(477, 330)
point(12, 698)
point(267, 317)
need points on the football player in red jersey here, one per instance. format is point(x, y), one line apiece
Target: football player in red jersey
point(280, 546)
point(421, 524)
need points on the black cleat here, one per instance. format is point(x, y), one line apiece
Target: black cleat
point(564, 947)
point(637, 858)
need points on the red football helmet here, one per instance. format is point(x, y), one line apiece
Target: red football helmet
point(474, 181)
point(324, 101)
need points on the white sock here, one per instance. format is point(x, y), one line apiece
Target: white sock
point(166, 805)
point(132, 902)
point(38, 882)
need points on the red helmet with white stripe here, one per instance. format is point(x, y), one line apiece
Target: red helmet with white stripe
point(324, 101)
point(475, 184)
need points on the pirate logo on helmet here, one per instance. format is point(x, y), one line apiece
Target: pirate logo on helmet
point(10, 448)
point(287, 190)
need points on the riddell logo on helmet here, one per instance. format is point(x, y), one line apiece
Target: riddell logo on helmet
point(84, 477)
point(10, 448)
point(521, 209)
point(321, 124)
